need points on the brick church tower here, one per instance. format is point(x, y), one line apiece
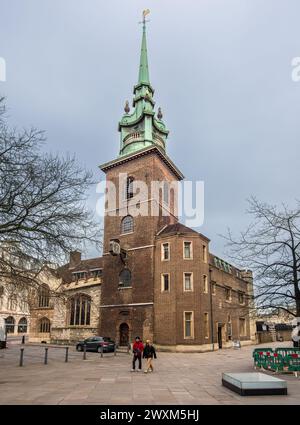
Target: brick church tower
point(160, 280)
point(141, 200)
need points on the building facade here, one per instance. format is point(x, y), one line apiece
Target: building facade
point(66, 308)
point(160, 280)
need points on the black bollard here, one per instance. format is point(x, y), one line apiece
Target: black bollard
point(23, 339)
point(101, 350)
point(46, 356)
point(67, 355)
point(21, 356)
point(115, 349)
point(128, 348)
point(84, 352)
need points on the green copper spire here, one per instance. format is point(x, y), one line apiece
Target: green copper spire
point(144, 70)
point(141, 129)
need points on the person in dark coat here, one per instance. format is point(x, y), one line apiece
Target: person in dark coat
point(148, 354)
point(138, 348)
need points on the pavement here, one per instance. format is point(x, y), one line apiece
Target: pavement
point(178, 378)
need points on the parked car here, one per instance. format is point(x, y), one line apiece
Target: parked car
point(95, 343)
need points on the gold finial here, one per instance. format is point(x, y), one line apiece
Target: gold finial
point(145, 13)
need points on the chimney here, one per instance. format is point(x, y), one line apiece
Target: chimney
point(75, 258)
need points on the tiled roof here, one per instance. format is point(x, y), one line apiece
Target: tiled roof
point(178, 228)
point(84, 265)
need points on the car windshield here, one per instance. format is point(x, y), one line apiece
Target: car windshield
point(107, 339)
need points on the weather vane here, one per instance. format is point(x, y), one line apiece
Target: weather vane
point(145, 13)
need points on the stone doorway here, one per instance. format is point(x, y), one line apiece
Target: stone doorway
point(124, 334)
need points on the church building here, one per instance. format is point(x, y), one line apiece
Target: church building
point(160, 281)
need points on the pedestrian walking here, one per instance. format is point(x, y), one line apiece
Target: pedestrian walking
point(149, 353)
point(138, 348)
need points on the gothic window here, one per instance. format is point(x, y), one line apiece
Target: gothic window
point(10, 325)
point(44, 325)
point(129, 187)
point(80, 310)
point(44, 296)
point(125, 279)
point(127, 224)
point(22, 325)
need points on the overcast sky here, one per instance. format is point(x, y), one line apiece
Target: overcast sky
point(221, 70)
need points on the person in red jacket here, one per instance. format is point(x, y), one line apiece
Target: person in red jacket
point(138, 348)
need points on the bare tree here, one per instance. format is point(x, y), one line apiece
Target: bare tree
point(270, 246)
point(43, 205)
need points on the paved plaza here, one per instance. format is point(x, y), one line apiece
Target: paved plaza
point(178, 378)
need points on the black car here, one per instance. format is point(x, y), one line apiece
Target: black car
point(95, 343)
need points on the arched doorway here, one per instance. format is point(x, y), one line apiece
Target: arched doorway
point(124, 334)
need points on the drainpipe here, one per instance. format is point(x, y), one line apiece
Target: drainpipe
point(211, 313)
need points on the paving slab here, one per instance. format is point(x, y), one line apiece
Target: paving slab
point(179, 378)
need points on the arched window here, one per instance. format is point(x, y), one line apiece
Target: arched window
point(44, 325)
point(44, 296)
point(10, 325)
point(80, 310)
point(125, 279)
point(166, 193)
point(127, 224)
point(129, 187)
point(22, 326)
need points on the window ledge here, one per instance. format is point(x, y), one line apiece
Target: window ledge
point(126, 287)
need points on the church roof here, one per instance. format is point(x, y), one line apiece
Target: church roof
point(82, 266)
point(179, 228)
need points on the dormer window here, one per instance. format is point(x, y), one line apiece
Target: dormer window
point(79, 275)
point(96, 273)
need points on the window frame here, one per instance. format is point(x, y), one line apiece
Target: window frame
point(204, 254)
point(205, 284)
point(78, 301)
point(241, 294)
point(166, 193)
point(126, 232)
point(191, 250)
point(191, 281)
point(206, 325)
point(129, 193)
point(163, 251)
point(192, 326)
point(228, 300)
point(163, 282)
